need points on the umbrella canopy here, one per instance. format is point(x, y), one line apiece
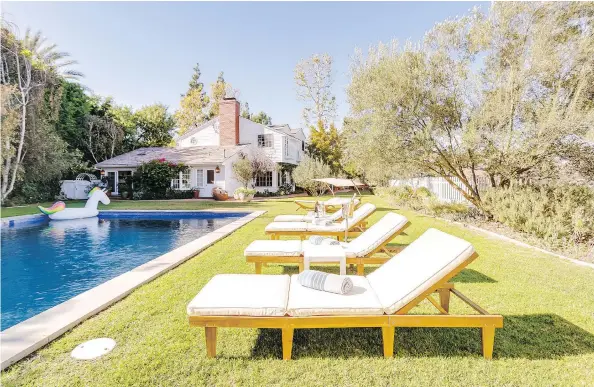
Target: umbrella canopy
point(340, 182)
point(336, 182)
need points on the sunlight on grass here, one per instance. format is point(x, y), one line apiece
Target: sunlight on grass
point(548, 334)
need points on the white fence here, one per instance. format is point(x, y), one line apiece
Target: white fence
point(440, 187)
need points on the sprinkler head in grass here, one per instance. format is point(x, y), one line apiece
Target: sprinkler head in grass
point(93, 349)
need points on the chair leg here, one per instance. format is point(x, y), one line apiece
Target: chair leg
point(444, 298)
point(258, 267)
point(388, 338)
point(488, 338)
point(211, 341)
point(287, 342)
point(360, 269)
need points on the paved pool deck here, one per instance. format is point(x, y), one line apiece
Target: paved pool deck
point(26, 337)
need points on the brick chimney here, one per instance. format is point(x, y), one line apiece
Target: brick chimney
point(229, 122)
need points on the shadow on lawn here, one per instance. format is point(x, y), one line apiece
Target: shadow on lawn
point(538, 336)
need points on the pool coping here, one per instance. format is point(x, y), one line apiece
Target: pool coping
point(28, 336)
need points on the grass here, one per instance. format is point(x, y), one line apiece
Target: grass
point(547, 339)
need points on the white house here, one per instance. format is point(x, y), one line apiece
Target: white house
point(211, 149)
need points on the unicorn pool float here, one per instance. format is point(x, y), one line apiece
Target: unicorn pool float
point(58, 210)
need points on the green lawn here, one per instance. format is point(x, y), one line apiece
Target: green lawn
point(548, 338)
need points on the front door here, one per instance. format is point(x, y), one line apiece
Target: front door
point(205, 181)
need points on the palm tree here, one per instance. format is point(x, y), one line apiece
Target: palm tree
point(57, 61)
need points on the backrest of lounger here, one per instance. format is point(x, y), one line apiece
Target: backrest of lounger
point(381, 232)
point(419, 266)
point(360, 213)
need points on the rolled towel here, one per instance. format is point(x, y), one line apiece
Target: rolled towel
point(325, 282)
point(320, 240)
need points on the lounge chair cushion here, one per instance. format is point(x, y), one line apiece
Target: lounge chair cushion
point(310, 302)
point(287, 226)
point(378, 234)
point(268, 248)
point(419, 266)
point(305, 218)
point(242, 295)
point(360, 214)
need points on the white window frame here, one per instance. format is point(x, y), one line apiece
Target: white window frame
point(200, 178)
point(178, 183)
point(286, 143)
point(265, 140)
point(214, 176)
point(264, 178)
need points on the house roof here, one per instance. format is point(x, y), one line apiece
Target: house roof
point(189, 155)
point(198, 128)
point(286, 129)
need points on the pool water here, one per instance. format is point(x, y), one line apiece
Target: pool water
point(46, 264)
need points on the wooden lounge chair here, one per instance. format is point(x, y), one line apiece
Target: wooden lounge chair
point(351, 227)
point(382, 299)
point(368, 248)
point(331, 205)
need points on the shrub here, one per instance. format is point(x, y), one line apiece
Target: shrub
point(179, 194)
point(563, 213)
point(244, 171)
point(309, 169)
point(245, 191)
point(153, 178)
point(285, 189)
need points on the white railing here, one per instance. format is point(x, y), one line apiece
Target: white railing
point(440, 187)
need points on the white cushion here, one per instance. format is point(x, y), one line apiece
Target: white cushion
point(287, 226)
point(242, 295)
point(333, 227)
point(293, 218)
point(349, 254)
point(360, 213)
point(381, 232)
point(310, 302)
point(290, 248)
point(418, 267)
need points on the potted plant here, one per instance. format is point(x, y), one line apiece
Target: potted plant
point(244, 194)
point(123, 190)
point(219, 194)
point(196, 193)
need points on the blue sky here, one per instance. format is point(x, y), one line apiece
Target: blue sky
point(144, 52)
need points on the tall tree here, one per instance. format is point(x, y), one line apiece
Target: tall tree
point(518, 86)
point(154, 125)
point(314, 79)
point(325, 145)
point(261, 118)
point(26, 79)
point(218, 90)
point(192, 111)
point(245, 111)
point(47, 54)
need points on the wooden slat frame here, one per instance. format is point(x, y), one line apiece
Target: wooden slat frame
point(369, 259)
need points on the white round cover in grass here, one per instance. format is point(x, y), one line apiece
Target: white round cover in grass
point(93, 348)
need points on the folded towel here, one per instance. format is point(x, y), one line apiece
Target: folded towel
point(320, 240)
point(325, 282)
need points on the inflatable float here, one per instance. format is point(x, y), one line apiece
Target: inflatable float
point(58, 210)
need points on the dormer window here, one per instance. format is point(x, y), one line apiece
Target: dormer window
point(265, 140)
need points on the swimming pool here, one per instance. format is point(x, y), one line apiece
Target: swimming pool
point(47, 263)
